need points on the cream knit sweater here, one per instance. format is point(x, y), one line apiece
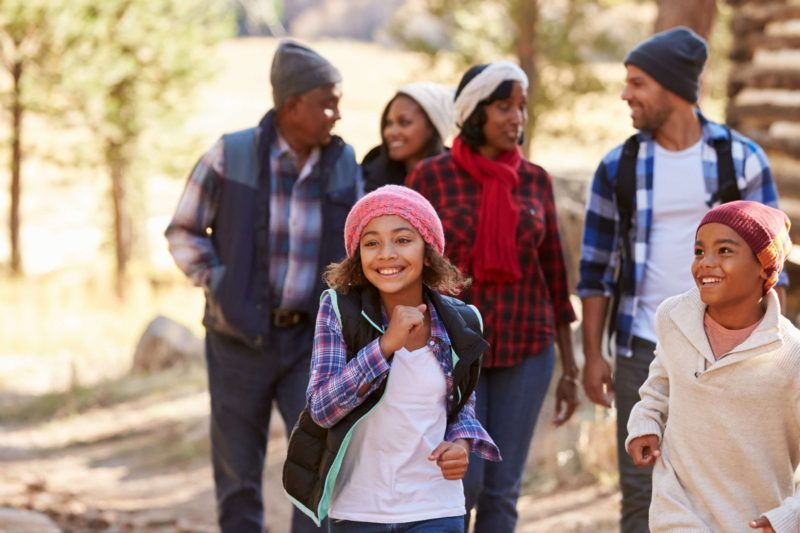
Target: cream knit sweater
point(729, 429)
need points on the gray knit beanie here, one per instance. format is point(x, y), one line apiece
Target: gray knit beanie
point(297, 69)
point(674, 58)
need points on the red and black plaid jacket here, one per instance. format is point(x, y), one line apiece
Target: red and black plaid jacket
point(519, 319)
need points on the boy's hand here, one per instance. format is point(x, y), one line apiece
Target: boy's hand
point(403, 321)
point(452, 458)
point(762, 523)
point(644, 450)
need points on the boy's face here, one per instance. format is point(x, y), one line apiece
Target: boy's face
point(393, 256)
point(725, 269)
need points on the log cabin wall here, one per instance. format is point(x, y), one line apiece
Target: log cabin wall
point(764, 89)
point(764, 102)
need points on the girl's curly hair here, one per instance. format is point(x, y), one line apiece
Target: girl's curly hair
point(438, 273)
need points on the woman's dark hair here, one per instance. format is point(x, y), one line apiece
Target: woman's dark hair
point(472, 129)
point(435, 144)
point(438, 273)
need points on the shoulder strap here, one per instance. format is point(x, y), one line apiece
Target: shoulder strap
point(625, 191)
point(471, 316)
point(625, 186)
point(348, 312)
point(727, 189)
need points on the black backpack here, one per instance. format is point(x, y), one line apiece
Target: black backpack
point(625, 190)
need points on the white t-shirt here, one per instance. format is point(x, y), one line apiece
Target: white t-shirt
point(386, 476)
point(678, 206)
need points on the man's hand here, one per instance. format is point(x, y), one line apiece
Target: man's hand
point(566, 399)
point(452, 458)
point(404, 320)
point(762, 523)
point(597, 381)
point(644, 450)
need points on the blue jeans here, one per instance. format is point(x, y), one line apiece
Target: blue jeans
point(243, 383)
point(508, 405)
point(635, 483)
point(452, 524)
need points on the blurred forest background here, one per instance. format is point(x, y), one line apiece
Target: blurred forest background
point(106, 107)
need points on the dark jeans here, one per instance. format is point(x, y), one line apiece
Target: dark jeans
point(508, 405)
point(453, 524)
point(636, 483)
point(242, 384)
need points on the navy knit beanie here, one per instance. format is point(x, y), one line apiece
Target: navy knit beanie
point(674, 58)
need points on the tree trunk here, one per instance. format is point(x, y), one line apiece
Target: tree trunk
point(696, 14)
point(525, 13)
point(123, 235)
point(17, 110)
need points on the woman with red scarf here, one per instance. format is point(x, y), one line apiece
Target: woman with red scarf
point(500, 225)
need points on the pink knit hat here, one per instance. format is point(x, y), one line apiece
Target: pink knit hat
point(764, 229)
point(394, 200)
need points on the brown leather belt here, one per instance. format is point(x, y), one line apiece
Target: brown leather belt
point(286, 318)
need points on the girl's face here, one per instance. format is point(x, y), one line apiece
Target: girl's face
point(406, 130)
point(504, 121)
point(725, 269)
point(393, 256)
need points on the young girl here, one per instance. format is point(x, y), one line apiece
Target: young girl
point(393, 374)
point(720, 411)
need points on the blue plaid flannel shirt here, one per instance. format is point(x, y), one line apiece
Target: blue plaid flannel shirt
point(600, 252)
point(333, 387)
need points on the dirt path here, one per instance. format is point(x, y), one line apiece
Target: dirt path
point(142, 466)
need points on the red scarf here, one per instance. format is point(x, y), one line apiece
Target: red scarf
point(494, 256)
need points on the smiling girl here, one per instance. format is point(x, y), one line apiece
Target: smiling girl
point(393, 374)
point(719, 416)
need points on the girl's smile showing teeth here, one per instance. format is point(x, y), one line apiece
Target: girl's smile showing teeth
point(389, 271)
point(709, 280)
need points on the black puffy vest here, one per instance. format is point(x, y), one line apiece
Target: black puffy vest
point(315, 453)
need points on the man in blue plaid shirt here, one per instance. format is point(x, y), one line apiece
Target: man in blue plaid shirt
point(676, 183)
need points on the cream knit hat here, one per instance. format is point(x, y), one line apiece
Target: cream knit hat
point(437, 102)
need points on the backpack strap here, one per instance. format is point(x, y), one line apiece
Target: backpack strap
point(727, 188)
point(471, 316)
point(624, 190)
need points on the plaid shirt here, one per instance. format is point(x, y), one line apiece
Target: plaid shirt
point(519, 318)
point(601, 241)
point(295, 225)
point(189, 242)
point(299, 202)
point(334, 384)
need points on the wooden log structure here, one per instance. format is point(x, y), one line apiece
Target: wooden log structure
point(764, 90)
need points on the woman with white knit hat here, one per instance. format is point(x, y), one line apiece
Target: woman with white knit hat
point(414, 125)
point(498, 214)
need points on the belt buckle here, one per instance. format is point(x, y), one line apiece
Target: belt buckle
point(284, 318)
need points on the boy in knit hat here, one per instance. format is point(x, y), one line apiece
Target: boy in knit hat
point(719, 416)
point(646, 197)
